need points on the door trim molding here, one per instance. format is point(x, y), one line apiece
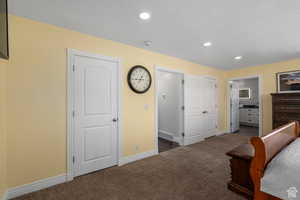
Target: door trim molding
point(260, 89)
point(70, 106)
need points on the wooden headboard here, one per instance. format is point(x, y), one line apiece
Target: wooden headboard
point(266, 148)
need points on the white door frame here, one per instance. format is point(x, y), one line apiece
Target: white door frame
point(71, 53)
point(260, 87)
point(163, 69)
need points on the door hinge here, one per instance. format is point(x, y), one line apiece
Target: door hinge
point(182, 134)
point(73, 113)
point(73, 68)
point(73, 159)
point(216, 86)
point(182, 107)
point(182, 81)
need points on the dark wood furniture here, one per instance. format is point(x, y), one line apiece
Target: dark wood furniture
point(286, 108)
point(266, 148)
point(240, 170)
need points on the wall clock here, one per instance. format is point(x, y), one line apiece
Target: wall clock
point(139, 79)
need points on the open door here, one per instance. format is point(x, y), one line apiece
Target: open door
point(170, 106)
point(200, 108)
point(234, 107)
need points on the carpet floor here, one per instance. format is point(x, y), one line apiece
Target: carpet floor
point(195, 172)
point(165, 145)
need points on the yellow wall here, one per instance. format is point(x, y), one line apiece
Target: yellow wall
point(36, 96)
point(268, 75)
point(2, 127)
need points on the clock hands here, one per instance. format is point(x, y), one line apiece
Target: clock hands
point(139, 79)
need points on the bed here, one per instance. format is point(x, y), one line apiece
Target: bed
point(275, 167)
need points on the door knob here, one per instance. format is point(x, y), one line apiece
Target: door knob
point(204, 112)
point(115, 119)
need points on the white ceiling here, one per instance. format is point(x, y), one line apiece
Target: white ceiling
point(262, 31)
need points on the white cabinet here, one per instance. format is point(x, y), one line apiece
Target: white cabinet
point(249, 116)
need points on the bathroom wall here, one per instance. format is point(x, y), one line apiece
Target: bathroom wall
point(254, 91)
point(170, 101)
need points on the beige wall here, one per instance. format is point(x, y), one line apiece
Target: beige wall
point(36, 96)
point(268, 75)
point(2, 127)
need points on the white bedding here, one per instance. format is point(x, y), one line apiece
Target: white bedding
point(282, 176)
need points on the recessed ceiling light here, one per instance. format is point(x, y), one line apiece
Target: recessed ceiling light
point(145, 15)
point(207, 44)
point(148, 43)
point(238, 57)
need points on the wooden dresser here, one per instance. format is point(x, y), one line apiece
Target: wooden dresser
point(286, 108)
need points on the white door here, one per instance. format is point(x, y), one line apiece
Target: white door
point(234, 105)
point(200, 108)
point(95, 114)
point(210, 107)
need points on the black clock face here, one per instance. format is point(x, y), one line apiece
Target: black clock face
point(139, 79)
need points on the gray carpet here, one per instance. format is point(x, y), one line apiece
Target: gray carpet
point(195, 172)
point(165, 145)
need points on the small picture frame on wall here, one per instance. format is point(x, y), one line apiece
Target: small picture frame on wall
point(288, 82)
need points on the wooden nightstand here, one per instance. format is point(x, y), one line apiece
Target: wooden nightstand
point(240, 161)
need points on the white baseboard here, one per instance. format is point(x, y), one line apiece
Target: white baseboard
point(193, 140)
point(139, 156)
point(170, 136)
point(199, 138)
point(221, 133)
point(35, 186)
point(165, 135)
point(48, 182)
point(4, 197)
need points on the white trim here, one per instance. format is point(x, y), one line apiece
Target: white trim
point(156, 111)
point(120, 109)
point(136, 157)
point(4, 197)
point(35, 186)
point(260, 94)
point(221, 133)
point(165, 135)
point(200, 138)
point(193, 140)
point(70, 106)
point(164, 69)
point(170, 137)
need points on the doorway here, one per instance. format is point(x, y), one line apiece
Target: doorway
point(93, 112)
point(245, 106)
point(170, 105)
